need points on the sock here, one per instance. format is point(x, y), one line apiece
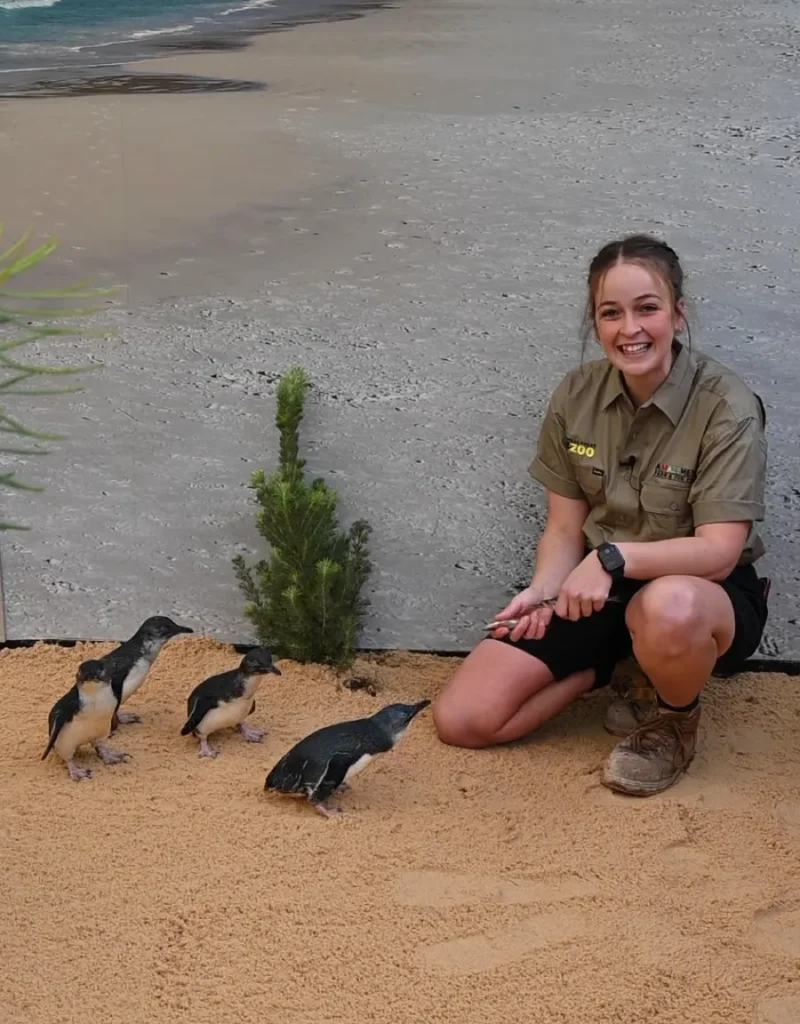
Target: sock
point(671, 707)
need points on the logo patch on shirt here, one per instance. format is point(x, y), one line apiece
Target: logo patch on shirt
point(681, 474)
point(581, 448)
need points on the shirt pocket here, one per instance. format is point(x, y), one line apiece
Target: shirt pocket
point(667, 511)
point(592, 481)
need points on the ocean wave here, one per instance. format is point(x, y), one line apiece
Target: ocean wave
point(20, 5)
point(251, 5)
point(145, 33)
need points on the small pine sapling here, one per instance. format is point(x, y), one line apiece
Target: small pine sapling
point(306, 600)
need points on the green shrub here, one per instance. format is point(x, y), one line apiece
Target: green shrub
point(306, 601)
point(20, 325)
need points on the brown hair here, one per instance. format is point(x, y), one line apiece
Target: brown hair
point(658, 257)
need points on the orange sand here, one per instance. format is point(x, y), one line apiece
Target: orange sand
point(459, 887)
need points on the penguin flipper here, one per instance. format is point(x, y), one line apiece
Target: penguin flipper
point(333, 777)
point(64, 709)
point(200, 703)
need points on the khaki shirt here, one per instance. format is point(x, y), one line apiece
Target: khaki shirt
point(695, 452)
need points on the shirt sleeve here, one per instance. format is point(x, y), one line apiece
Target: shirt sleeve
point(551, 467)
point(731, 474)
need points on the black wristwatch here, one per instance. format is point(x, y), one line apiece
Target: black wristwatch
point(610, 557)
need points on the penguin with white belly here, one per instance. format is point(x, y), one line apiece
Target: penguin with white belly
point(131, 661)
point(84, 715)
point(226, 699)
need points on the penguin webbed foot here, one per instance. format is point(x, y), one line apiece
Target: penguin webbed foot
point(206, 750)
point(250, 733)
point(343, 787)
point(78, 772)
point(327, 810)
point(128, 717)
point(109, 756)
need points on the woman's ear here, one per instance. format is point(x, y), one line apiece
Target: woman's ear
point(680, 315)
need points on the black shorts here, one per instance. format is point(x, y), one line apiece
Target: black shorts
point(602, 639)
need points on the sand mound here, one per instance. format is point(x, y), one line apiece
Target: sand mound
point(459, 886)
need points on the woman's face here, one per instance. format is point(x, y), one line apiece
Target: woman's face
point(635, 323)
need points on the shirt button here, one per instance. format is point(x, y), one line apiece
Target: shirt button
point(674, 506)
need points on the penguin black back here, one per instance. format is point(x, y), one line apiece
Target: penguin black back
point(319, 764)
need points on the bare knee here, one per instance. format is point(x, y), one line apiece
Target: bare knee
point(667, 615)
point(456, 726)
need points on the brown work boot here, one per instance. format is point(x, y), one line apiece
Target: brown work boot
point(636, 701)
point(655, 754)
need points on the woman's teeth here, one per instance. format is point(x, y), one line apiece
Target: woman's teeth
point(632, 350)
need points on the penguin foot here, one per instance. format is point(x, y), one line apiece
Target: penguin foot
point(109, 756)
point(78, 772)
point(128, 717)
point(343, 787)
point(327, 810)
point(206, 750)
point(250, 733)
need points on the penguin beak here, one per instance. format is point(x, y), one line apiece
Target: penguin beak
point(185, 629)
point(275, 670)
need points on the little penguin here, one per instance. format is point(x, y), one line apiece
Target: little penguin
point(226, 699)
point(130, 662)
point(320, 765)
point(84, 715)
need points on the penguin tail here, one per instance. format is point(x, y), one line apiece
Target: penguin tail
point(188, 727)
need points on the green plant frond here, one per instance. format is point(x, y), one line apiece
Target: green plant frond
point(10, 480)
point(18, 246)
point(65, 291)
point(22, 263)
point(42, 391)
point(25, 451)
point(21, 324)
point(51, 371)
point(13, 526)
point(48, 313)
point(12, 426)
point(41, 331)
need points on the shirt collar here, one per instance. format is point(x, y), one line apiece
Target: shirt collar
point(671, 396)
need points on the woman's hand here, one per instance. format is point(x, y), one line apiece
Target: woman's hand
point(585, 589)
point(532, 621)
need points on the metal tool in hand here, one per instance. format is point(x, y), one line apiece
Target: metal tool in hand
point(549, 602)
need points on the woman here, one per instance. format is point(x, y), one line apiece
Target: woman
point(654, 461)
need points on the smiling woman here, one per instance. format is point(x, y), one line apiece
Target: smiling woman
point(654, 462)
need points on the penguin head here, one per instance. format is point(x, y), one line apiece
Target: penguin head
point(394, 719)
point(259, 662)
point(93, 671)
point(161, 627)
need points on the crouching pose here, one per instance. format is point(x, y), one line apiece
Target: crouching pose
point(654, 460)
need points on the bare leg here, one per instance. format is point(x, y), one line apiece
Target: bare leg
point(78, 772)
point(500, 693)
point(109, 756)
point(128, 717)
point(206, 750)
point(680, 625)
point(250, 733)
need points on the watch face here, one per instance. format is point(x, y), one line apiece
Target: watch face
point(610, 558)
